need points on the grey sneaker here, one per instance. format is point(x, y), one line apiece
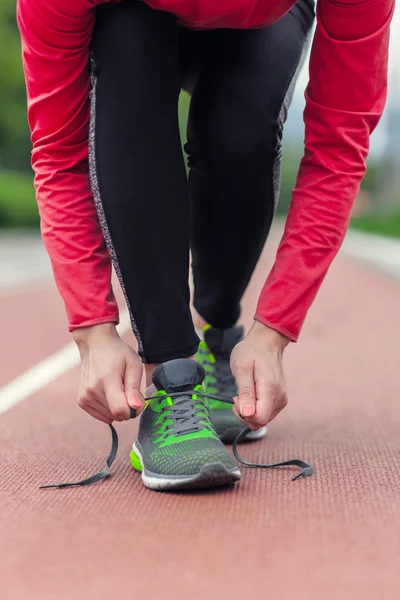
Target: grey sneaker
point(177, 446)
point(214, 355)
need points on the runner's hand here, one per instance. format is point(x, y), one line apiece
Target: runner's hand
point(111, 374)
point(256, 364)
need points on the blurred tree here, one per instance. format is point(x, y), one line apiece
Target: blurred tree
point(14, 132)
point(290, 164)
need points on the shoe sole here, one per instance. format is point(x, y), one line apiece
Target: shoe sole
point(228, 436)
point(211, 475)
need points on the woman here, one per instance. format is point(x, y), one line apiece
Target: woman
point(140, 191)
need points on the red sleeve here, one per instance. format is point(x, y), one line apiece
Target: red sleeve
point(55, 46)
point(344, 101)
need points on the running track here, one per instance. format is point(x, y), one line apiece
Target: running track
point(334, 536)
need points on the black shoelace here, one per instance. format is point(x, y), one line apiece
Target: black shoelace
point(306, 469)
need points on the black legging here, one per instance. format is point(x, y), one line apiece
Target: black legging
point(241, 84)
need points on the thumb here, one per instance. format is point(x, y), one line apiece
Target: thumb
point(246, 401)
point(132, 381)
point(116, 399)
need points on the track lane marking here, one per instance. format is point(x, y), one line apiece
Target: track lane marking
point(47, 370)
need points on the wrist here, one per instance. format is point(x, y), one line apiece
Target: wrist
point(268, 337)
point(84, 337)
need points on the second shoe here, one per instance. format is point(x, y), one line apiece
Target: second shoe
point(214, 354)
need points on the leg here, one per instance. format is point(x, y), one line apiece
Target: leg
point(138, 174)
point(237, 113)
point(145, 214)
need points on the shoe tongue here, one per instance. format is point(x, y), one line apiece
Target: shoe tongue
point(222, 341)
point(178, 375)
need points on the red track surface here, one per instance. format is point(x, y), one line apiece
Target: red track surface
point(333, 536)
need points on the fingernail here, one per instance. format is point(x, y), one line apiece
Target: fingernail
point(247, 410)
point(136, 403)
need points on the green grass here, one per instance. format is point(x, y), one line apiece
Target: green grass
point(17, 201)
point(183, 111)
point(387, 224)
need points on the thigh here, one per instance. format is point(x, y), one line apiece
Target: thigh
point(136, 47)
point(235, 125)
point(136, 72)
point(249, 78)
point(138, 174)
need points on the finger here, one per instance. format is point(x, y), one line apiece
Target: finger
point(254, 422)
point(99, 407)
point(244, 375)
point(95, 397)
point(132, 380)
point(247, 423)
point(89, 403)
point(97, 415)
point(102, 399)
point(271, 398)
point(116, 399)
point(280, 406)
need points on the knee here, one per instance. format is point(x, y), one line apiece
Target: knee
point(247, 138)
point(253, 145)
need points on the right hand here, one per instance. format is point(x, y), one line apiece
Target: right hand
point(111, 374)
point(256, 364)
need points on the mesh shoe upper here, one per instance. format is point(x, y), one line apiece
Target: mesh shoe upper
point(175, 434)
point(214, 355)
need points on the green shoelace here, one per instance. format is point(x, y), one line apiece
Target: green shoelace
point(306, 469)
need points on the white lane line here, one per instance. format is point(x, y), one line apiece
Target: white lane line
point(46, 371)
point(381, 252)
point(23, 260)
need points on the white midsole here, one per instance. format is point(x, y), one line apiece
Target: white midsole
point(157, 483)
point(258, 434)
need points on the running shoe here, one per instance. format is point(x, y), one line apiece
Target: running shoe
point(214, 355)
point(177, 446)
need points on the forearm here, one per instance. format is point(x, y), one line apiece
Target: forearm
point(55, 59)
point(73, 239)
point(345, 99)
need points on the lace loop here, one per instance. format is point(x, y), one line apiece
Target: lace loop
point(183, 413)
point(184, 420)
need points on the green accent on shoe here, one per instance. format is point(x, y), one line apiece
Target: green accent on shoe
point(177, 441)
point(135, 461)
point(219, 379)
point(206, 358)
point(214, 355)
point(162, 405)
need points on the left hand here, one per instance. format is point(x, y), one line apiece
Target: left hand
point(256, 364)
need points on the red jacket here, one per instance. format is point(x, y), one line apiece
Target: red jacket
point(345, 99)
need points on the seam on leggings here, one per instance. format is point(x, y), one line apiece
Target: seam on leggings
point(282, 116)
point(94, 182)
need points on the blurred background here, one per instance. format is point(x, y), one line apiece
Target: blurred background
point(377, 209)
point(337, 534)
